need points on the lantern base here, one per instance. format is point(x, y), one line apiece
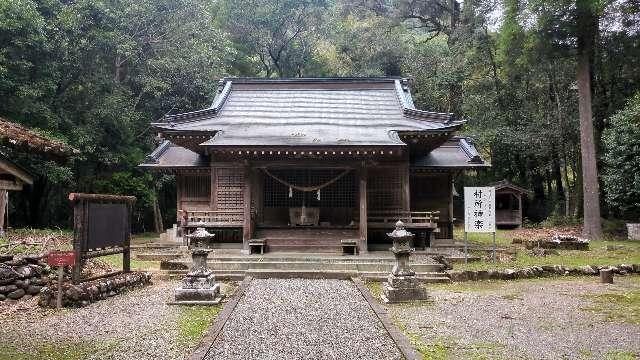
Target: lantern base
point(402, 289)
point(207, 296)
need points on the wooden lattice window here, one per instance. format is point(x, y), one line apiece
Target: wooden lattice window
point(229, 188)
point(385, 189)
point(196, 186)
point(342, 193)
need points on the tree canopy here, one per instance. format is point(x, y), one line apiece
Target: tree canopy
point(95, 73)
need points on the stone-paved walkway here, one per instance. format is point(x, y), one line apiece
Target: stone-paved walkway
point(303, 319)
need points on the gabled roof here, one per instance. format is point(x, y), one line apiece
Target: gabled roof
point(168, 155)
point(458, 152)
point(506, 184)
point(309, 112)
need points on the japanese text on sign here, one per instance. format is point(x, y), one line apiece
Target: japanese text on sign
point(479, 209)
point(61, 258)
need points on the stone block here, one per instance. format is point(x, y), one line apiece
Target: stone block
point(15, 295)
point(395, 295)
point(211, 295)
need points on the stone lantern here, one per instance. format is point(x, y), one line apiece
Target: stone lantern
point(402, 284)
point(199, 286)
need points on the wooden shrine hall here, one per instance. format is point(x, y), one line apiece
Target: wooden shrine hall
point(314, 165)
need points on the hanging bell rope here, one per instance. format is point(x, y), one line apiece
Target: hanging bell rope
point(315, 188)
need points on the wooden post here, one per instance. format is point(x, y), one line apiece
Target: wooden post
point(246, 224)
point(450, 225)
point(362, 175)
point(60, 280)
point(520, 209)
point(4, 195)
point(126, 252)
point(606, 276)
point(213, 204)
point(79, 212)
point(406, 184)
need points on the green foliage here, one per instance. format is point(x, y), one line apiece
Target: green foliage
point(622, 159)
point(275, 37)
point(94, 73)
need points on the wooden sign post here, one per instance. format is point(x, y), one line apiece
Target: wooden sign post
point(61, 259)
point(479, 214)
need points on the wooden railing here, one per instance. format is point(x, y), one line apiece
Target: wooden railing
point(213, 218)
point(387, 219)
point(508, 216)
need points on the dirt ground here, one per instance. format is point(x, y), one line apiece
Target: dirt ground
point(565, 318)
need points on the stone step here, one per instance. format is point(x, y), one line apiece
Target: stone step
point(157, 245)
point(306, 248)
point(151, 256)
point(305, 265)
point(328, 274)
point(235, 275)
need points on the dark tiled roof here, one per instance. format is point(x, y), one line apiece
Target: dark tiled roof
point(458, 152)
point(332, 111)
point(168, 156)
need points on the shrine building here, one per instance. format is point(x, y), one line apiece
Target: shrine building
point(308, 164)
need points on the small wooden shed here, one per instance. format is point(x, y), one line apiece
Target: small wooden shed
point(14, 177)
point(509, 203)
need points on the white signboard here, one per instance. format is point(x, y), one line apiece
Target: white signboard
point(479, 209)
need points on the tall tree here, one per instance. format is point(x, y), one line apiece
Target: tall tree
point(586, 17)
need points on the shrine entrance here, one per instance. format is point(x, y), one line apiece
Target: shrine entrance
point(309, 210)
point(295, 198)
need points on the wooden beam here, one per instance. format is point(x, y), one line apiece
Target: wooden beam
point(11, 185)
point(362, 175)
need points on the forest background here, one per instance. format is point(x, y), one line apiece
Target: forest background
point(95, 73)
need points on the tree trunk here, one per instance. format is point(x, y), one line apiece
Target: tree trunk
point(587, 27)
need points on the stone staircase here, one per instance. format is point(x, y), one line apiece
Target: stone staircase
point(306, 266)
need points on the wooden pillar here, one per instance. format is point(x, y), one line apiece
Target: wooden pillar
point(406, 185)
point(178, 198)
point(451, 179)
point(246, 226)
point(126, 253)
point(4, 200)
point(214, 193)
point(520, 209)
point(80, 218)
point(362, 175)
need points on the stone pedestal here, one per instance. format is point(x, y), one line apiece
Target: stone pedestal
point(402, 284)
point(402, 288)
point(199, 286)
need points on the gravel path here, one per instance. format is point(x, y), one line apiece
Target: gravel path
point(303, 319)
point(135, 325)
point(539, 319)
